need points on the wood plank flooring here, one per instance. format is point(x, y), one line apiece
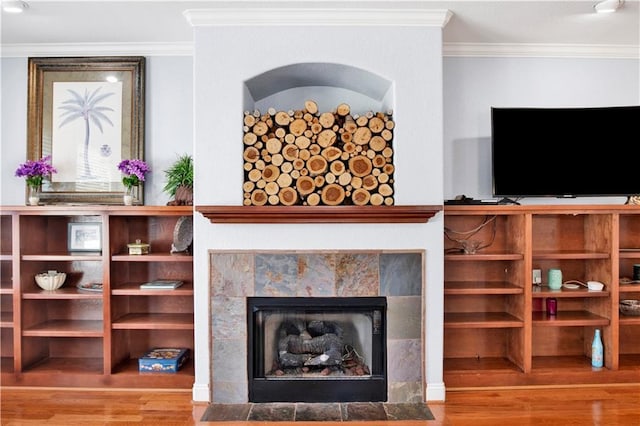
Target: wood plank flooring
point(610, 405)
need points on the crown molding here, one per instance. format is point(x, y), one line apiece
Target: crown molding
point(598, 51)
point(96, 49)
point(329, 13)
point(449, 50)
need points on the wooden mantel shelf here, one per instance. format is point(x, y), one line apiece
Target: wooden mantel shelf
point(318, 214)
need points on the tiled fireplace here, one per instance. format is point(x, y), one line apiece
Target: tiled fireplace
point(375, 297)
point(375, 56)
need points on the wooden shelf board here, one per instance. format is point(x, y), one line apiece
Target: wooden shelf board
point(154, 321)
point(51, 366)
point(153, 257)
point(629, 320)
point(629, 288)
point(629, 253)
point(65, 328)
point(6, 319)
point(481, 320)
point(478, 287)
point(133, 289)
point(479, 365)
point(569, 255)
point(482, 257)
point(318, 214)
point(556, 363)
point(568, 319)
point(61, 293)
point(96, 209)
point(62, 257)
point(543, 292)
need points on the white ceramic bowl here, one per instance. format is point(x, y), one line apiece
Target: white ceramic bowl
point(595, 285)
point(50, 280)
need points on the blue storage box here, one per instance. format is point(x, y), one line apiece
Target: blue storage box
point(163, 360)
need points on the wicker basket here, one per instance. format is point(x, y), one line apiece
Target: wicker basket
point(630, 307)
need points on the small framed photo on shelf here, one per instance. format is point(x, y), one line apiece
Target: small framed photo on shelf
point(85, 236)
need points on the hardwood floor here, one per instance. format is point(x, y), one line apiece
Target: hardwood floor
point(609, 405)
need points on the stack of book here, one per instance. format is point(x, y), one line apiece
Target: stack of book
point(161, 285)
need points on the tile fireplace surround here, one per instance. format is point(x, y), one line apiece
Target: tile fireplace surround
point(394, 275)
point(374, 56)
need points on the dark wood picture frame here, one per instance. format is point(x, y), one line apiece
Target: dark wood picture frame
point(85, 79)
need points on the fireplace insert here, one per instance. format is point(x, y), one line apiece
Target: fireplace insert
point(316, 349)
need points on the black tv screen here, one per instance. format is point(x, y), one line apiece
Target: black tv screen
point(565, 152)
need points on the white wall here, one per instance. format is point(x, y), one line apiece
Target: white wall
point(168, 126)
point(473, 85)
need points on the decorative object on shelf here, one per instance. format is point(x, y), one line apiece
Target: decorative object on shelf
point(93, 287)
point(134, 171)
point(180, 181)
point(163, 360)
point(634, 200)
point(84, 236)
point(597, 350)
point(86, 122)
point(554, 280)
point(595, 285)
point(552, 306)
point(33, 195)
point(630, 307)
point(467, 245)
point(50, 280)
point(139, 247)
point(127, 197)
point(182, 235)
point(35, 173)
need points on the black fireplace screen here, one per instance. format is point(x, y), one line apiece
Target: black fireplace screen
point(316, 349)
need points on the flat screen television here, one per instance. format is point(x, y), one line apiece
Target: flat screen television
point(565, 152)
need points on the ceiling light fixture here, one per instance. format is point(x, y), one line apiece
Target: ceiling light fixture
point(15, 6)
point(608, 6)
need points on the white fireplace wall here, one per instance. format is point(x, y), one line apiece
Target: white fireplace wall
point(225, 57)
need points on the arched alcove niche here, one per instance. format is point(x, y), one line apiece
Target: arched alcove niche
point(328, 84)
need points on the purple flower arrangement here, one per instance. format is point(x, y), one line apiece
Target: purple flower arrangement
point(36, 171)
point(134, 171)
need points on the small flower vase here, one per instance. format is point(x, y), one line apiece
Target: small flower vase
point(33, 195)
point(128, 196)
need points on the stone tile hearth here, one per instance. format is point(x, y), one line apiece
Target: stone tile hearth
point(353, 411)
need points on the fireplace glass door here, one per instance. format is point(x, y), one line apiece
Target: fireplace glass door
point(316, 349)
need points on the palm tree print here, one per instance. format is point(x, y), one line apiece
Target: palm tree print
point(86, 107)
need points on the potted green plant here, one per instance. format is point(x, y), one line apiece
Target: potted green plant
point(180, 181)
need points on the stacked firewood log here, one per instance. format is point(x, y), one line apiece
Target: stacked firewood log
point(305, 157)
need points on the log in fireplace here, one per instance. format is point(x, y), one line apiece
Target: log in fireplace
point(316, 349)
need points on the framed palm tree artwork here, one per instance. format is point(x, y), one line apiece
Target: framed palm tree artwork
point(87, 113)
